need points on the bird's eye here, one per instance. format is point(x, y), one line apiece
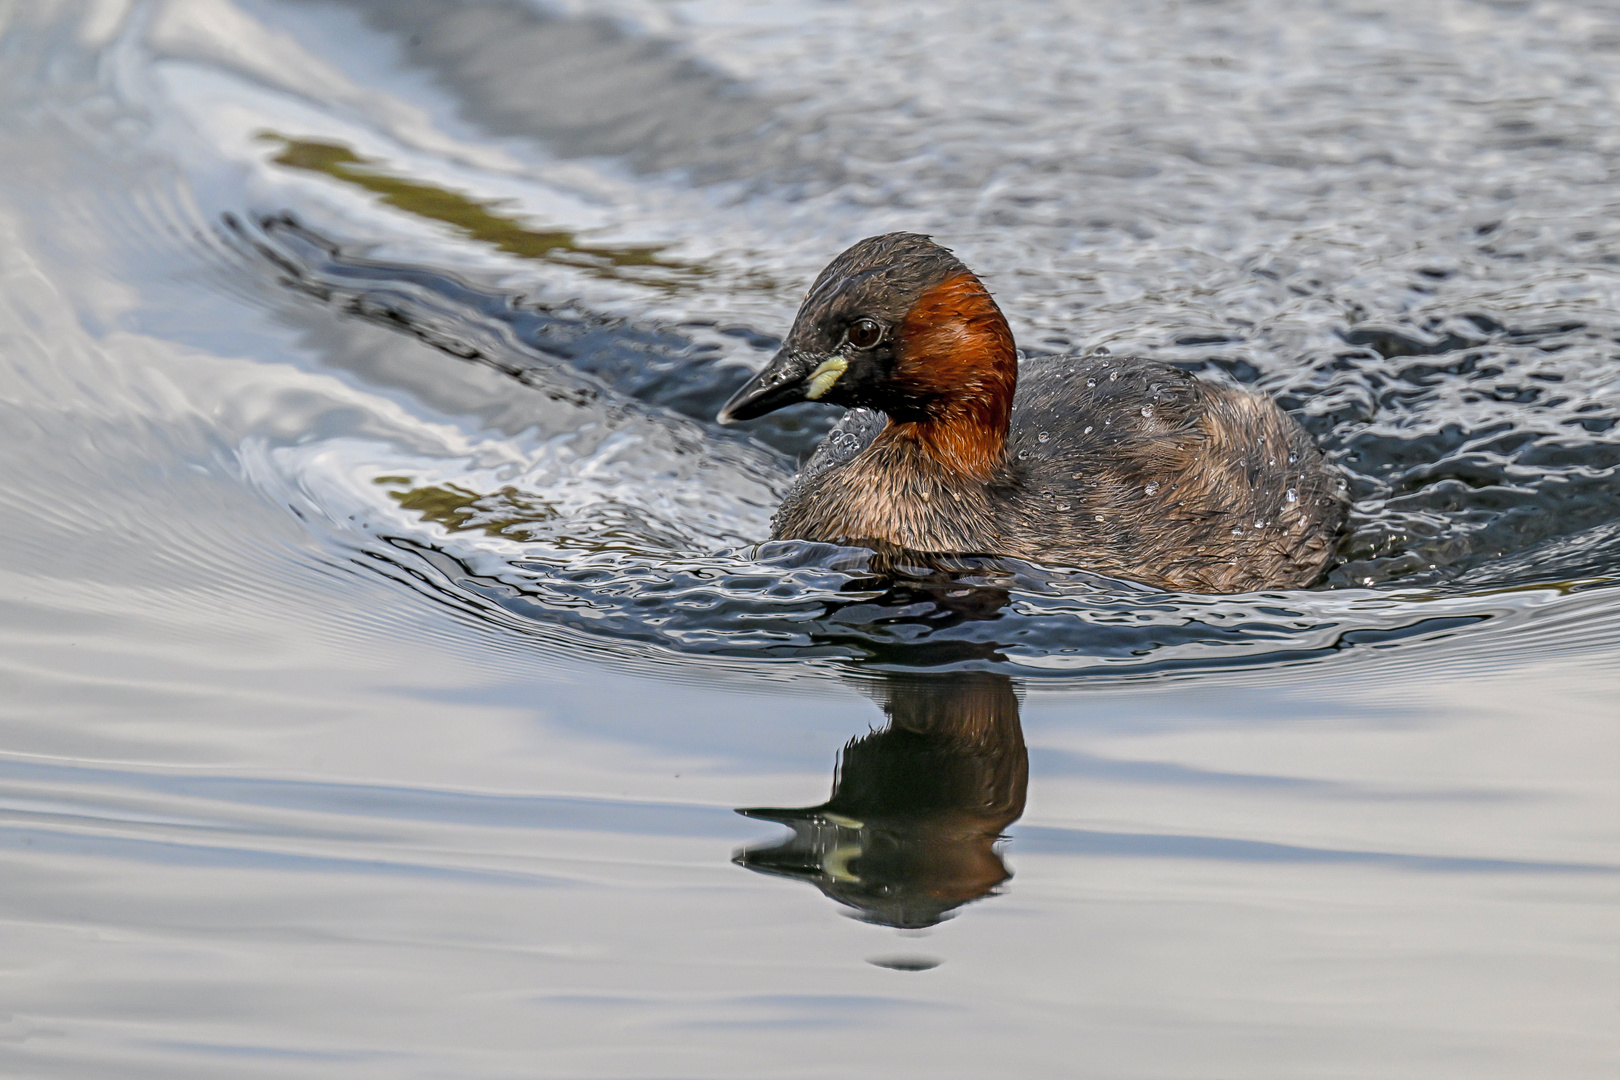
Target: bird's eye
point(864, 333)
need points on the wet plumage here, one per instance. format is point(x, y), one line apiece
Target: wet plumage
point(1125, 467)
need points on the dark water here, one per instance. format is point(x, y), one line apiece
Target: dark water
point(395, 682)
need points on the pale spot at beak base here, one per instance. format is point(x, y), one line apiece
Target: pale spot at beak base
point(821, 380)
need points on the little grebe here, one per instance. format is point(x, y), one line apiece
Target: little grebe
point(1128, 468)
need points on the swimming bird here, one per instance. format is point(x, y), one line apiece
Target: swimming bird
point(1124, 467)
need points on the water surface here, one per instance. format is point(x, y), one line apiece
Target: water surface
point(396, 679)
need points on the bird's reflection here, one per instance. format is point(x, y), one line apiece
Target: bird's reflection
point(909, 832)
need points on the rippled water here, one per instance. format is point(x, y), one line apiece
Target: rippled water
point(396, 682)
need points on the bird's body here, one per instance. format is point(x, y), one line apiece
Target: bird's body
point(1124, 467)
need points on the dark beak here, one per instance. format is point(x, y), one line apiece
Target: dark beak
point(781, 383)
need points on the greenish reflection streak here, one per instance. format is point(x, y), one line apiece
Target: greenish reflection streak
point(477, 218)
point(500, 513)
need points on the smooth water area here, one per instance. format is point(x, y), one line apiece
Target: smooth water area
point(395, 680)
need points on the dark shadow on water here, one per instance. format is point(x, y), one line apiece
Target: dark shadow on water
point(909, 832)
point(530, 339)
